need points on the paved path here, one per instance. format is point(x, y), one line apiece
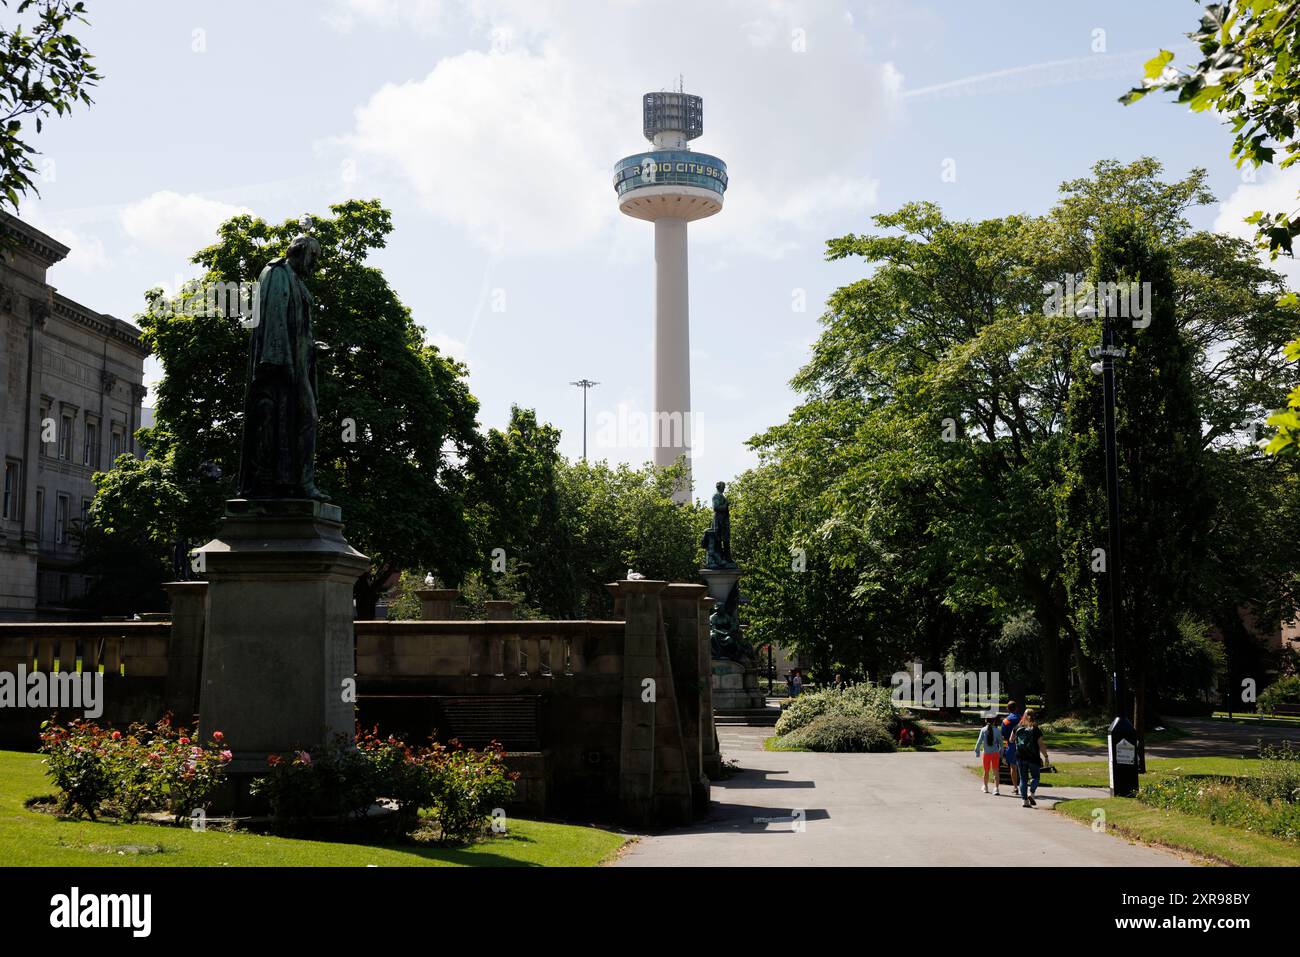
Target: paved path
point(871, 809)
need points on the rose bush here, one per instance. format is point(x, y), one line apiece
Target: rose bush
point(147, 768)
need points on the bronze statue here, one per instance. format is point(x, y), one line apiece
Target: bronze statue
point(278, 458)
point(721, 529)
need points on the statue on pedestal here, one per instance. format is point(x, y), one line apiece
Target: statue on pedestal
point(725, 638)
point(278, 455)
point(717, 538)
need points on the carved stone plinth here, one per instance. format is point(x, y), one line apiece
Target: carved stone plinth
point(278, 649)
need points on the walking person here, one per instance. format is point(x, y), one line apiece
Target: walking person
point(1031, 754)
point(796, 684)
point(989, 744)
point(1008, 737)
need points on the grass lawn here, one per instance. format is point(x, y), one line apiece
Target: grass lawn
point(1093, 774)
point(965, 740)
point(31, 838)
point(1187, 832)
point(1271, 721)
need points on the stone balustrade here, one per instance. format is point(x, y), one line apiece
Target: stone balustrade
point(577, 689)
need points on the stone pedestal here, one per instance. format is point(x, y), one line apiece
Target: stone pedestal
point(734, 684)
point(438, 604)
point(735, 687)
point(278, 649)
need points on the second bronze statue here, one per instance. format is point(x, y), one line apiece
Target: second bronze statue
point(278, 456)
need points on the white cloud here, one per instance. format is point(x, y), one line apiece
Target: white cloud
point(449, 345)
point(488, 141)
point(515, 143)
point(175, 223)
point(423, 15)
point(1273, 191)
point(86, 252)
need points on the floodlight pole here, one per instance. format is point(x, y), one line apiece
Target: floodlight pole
point(584, 385)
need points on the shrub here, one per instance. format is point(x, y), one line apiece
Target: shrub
point(1279, 776)
point(470, 786)
point(147, 769)
point(459, 787)
point(861, 700)
point(336, 782)
point(1285, 690)
point(1077, 723)
point(844, 733)
point(76, 757)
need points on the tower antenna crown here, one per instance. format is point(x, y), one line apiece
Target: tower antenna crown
point(672, 113)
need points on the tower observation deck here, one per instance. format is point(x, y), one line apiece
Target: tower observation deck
point(671, 185)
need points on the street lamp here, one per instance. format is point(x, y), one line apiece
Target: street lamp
point(1122, 741)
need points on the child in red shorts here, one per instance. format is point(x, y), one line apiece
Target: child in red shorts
point(989, 744)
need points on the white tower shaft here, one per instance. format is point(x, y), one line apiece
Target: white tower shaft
point(672, 353)
point(671, 186)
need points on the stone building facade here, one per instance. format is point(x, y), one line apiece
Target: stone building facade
point(71, 381)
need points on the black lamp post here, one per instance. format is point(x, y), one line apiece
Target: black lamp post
point(1122, 740)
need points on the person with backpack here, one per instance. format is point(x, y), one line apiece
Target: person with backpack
point(1031, 755)
point(989, 744)
point(1009, 749)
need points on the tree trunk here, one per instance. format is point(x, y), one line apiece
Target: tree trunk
point(1056, 681)
point(1092, 680)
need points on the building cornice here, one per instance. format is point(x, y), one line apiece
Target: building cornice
point(44, 248)
point(105, 325)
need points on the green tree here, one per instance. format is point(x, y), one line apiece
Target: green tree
point(928, 451)
point(396, 418)
point(551, 534)
point(44, 69)
point(1165, 503)
point(1249, 71)
point(520, 524)
point(125, 539)
point(625, 518)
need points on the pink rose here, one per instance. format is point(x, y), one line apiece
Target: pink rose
point(117, 735)
point(218, 736)
point(226, 755)
point(185, 740)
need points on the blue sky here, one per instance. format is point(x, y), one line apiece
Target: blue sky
point(489, 128)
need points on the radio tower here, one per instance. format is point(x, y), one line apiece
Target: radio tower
point(671, 185)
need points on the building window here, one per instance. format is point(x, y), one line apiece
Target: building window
point(61, 520)
point(13, 470)
point(90, 453)
point(65, 438)
point(85, 511)
point(116, 446)
point(40, 515)
point(63, 589)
